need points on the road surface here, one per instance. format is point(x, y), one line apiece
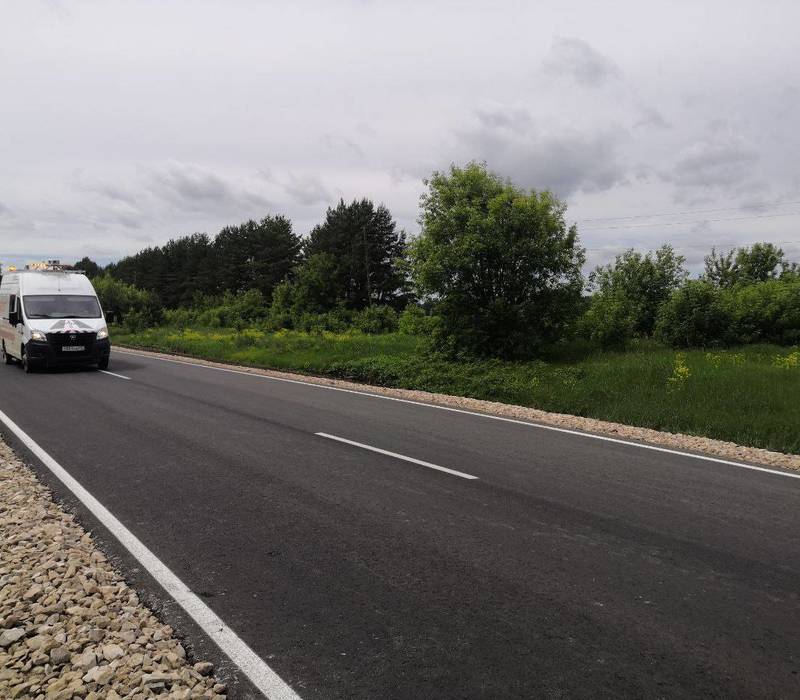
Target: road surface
point(370, 548)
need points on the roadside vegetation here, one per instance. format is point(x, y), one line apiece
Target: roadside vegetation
point(488, 301)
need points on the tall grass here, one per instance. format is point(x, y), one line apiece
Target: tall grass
point(749, 395)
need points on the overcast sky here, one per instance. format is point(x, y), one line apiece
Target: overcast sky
point(123, 124)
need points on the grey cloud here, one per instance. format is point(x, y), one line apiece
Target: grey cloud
point(117, 194)
point(398, 175)
point(514, 119)
point(4, 209)
point(193, 188)
point(564, 161)
point(576, 59)
point(366, 129)
point(714, 165)
point(128, 219)
point(720, 163)
point(335, 143)
point(651, 118)
point(788, 103)
point(105, 190)
point(307, 190)
point(354, 147)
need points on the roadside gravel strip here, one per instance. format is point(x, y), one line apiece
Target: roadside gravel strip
point(674, 441)
point(69, 625)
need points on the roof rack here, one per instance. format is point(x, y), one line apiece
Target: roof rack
point(50, 266)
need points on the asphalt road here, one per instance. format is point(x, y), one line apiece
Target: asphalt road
point(570, 567)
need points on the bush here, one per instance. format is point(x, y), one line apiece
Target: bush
point(226, 311)
point(180, 318)
point(630, 291)
point(136, 321)
point(693, 316)
point(610, 321)
point(375, 319)
point(336, 321)
point(128, 305)
point(238, 310)
point(701, 313)
point(414, 321)
point(766, 311)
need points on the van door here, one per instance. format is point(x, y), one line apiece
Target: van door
point(16, 326)
point(8, 332)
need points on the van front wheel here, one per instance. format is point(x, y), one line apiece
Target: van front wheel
point(26, 365)
point(103, 364)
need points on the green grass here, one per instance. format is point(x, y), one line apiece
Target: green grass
point(749, 395)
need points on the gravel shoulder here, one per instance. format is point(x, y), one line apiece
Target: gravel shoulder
point(69, 624)
point(675, 441)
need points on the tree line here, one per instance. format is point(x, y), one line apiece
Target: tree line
point(496, 270)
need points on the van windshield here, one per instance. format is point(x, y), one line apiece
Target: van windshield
point(61, 306)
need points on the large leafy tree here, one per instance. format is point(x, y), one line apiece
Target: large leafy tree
point(499, 263)
point(366, 248)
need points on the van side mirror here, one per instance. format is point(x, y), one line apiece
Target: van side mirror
point(109, 317)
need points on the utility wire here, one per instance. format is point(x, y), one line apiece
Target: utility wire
point(694, 221)
point(690, 211)
point(679, 246)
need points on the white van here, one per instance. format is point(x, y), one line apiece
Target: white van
point(51, 317)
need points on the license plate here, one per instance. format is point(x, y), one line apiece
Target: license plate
point(73, 348)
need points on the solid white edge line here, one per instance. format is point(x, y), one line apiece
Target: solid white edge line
point(542, 426)
point(114, 374)
point(397, 456)
point(261, 675)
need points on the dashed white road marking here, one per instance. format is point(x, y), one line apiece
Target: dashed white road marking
point(114, 374)
point(438, 407)
point(397, 455)
point(261, 675)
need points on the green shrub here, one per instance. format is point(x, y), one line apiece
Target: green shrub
point(610, 321)
point(632, 288)
point(336, 321)
point(280, 311)
point(128, 305)
point(241, 310)
point(414, 321)
point(228, 310)
point(375, 319)
point(693, 316)
point(136, 321)
point(180, 318)
point(765, 311)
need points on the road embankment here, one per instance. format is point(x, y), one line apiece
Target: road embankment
point(69, 624)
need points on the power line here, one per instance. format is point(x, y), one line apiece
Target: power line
point(690, 211)
point(719, 246)
point(695, 221)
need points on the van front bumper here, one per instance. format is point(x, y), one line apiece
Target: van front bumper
point(44, 354)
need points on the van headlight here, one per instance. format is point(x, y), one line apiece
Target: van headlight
point(38, 335)
point(102, 334)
